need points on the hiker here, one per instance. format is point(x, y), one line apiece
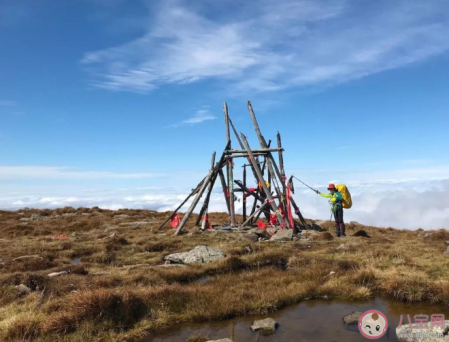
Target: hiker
point(336, 208)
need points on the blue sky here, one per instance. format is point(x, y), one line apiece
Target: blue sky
point(119, 103)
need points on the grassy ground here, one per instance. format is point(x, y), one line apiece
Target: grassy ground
point(101, 299)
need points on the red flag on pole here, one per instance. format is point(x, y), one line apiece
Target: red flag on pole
point(289, 208)
point(174, 221)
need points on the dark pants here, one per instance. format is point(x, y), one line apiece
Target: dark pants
point(339, 223)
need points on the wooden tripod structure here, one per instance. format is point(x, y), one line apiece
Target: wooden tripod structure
point(271, 195)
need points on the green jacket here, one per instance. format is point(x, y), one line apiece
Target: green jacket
point(334, 200)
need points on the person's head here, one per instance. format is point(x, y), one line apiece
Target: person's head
point(332, 188)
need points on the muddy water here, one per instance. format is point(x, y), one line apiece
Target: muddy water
point(306, 322)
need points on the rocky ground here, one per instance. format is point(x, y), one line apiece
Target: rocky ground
point(98, 275)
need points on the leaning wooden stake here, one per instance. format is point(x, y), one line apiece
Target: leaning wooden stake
point(229, 168)
point(225, 188)
point(258, 211)
point(261, 180)
point(194, 191)
point(205, 205)
point(244, 195)
point(194, 203)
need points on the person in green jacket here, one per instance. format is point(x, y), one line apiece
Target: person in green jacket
point(336, 208)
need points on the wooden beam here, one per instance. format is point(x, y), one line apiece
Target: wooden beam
point(255, 151)
point(255, 213)
point(225, 187)
point(262, 181)
point(194, 191)
point(194, 203)
point(272, 167)
point(229, 168)
point(209, 190)
point(244, 197)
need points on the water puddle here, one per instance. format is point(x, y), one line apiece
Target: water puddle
point(76, 261)
point(309, 321)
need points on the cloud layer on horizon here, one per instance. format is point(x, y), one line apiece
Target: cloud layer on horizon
point(411, 207)
point(265, 46)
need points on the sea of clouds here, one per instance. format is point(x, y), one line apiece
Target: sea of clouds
point(410, 204)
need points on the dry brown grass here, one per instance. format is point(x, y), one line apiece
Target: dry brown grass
point(256, 278)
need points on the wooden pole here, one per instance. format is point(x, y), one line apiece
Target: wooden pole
point(271, 163)
point(194, 191)
point(205, 205)
point(264, 186)
point(200, 193)
point(194, 203)
point(281, 157)
point(248, 191)
point(255, 151)
point(244, 197)
point(229, 168)
point(255, 213)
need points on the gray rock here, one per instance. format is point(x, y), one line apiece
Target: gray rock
point(252, 237)
point(447, 250)
point(24, 219)
point(405, 329)
point(352, 318)
point(69, 214)
point(35, 217)
point(222, 340)
point(271, 230)
point(200, 254)
point(264, 324)
point(85, 214)
point(262, 233)
point(22, 289)
point(283, 235)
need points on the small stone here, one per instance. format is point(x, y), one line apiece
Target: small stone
point(342, 247)
point(57, 274)
point(222, 340)
point(24, 219)
point(85, 214)
point(37, 217)
point(325, 297)
point(447, 250)
point(73, 234)
point(331, 273)
point(352, 318)
point(267, 325)
point(22, 289)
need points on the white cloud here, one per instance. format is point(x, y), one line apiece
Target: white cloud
point(272, 45)
point(7, 103)
point(50, 172)
point(410, 205)
point(199, 117)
